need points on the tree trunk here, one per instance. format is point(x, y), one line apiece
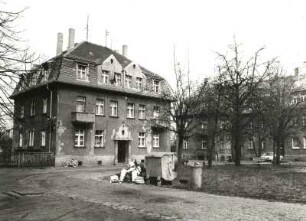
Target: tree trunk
point(278, 143)
point(180, 150)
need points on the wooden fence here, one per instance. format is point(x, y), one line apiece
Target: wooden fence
point(27, 159)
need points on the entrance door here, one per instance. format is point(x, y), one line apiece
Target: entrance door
point(122, 151)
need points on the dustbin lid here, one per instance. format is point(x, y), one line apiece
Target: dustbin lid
point(159, 154)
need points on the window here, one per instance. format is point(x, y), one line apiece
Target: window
point(82, 72)
point(250, 144)
point(128, 81)
point(225, 142)
point(155, 112)
point(118, 79)
point(80, 105)
point(31, 138)
point(99, 138)
point(32, 112)
point(45, 75)
point(155, 139)
point(130, 110)
point(99, 107)
point(185, 146)
point(141, 139)
point(304, 142)
point(303, 121)
point(263, 145)
point(139, 83)
point(79, 138)
point(156, 86)
point(20, 139)
point(142, 111)
point(204, 125)
point(204, 144)
point(114, 108)
point(33, 79)
point(44, 106)
point(43, 138)
point(295, 143)
point(104, 77)
point(22, 111)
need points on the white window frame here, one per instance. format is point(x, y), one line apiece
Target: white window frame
point(79, 138)
point(22, 111)
point(128, 81)
point(118, 79)
point(33, 106)
point(250, 144)
point(80, 104)
point(292, 144)
point(20, 143)
point(130, 110)
point(99, 138)
point(43, 138)
point(204, 125)
point(45, 105)
point(156, 111)
point(204, 144)
point(82, 72)
point(104, 77)
point(185, 144)
point(45, 75)
point(114, 108)
point(100, 104)
point(156, 86)
point(142, 111)
point(155, 139)
point(304, 142)
point(139, 83)
point(31, 138)
point(141, 139)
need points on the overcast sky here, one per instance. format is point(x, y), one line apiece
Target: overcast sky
point(152, 28)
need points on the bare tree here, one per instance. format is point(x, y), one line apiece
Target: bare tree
point(280, 111)
point(183, 110)
point(240, 80)
point(14, 61)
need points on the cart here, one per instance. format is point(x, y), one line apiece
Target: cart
point(160, 166)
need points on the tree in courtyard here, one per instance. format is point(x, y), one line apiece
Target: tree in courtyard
point(182, 112)
point(14, 61)
point(280, 110)
point(241, 78)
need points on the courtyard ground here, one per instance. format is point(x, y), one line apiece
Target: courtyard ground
point(286, 183)
point(85, 194)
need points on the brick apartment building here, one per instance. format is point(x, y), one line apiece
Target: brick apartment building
point(91, 103)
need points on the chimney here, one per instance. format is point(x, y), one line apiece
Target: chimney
point(296, 71)
point(124, 50)
point(59, 46)
point(71, 38)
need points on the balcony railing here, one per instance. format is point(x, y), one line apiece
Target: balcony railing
point(82, 117)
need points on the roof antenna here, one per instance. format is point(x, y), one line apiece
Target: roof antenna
point(87, 28)
point(106, 35)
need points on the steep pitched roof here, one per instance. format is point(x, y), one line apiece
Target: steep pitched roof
point(93, 53)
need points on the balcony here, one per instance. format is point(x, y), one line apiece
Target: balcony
point(82, 117)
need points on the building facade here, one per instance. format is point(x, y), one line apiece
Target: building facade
point(93, 104)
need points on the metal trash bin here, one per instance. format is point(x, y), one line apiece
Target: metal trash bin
point(160, 166)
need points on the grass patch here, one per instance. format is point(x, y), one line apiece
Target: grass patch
point(270, 183)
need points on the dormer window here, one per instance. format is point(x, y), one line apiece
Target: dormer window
point(128, 81)
point(156, 88)
point(33, 79)
point(104, 77)
point(45, 75)
point(139, 83)
point(82, 72)
point(118, 79)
